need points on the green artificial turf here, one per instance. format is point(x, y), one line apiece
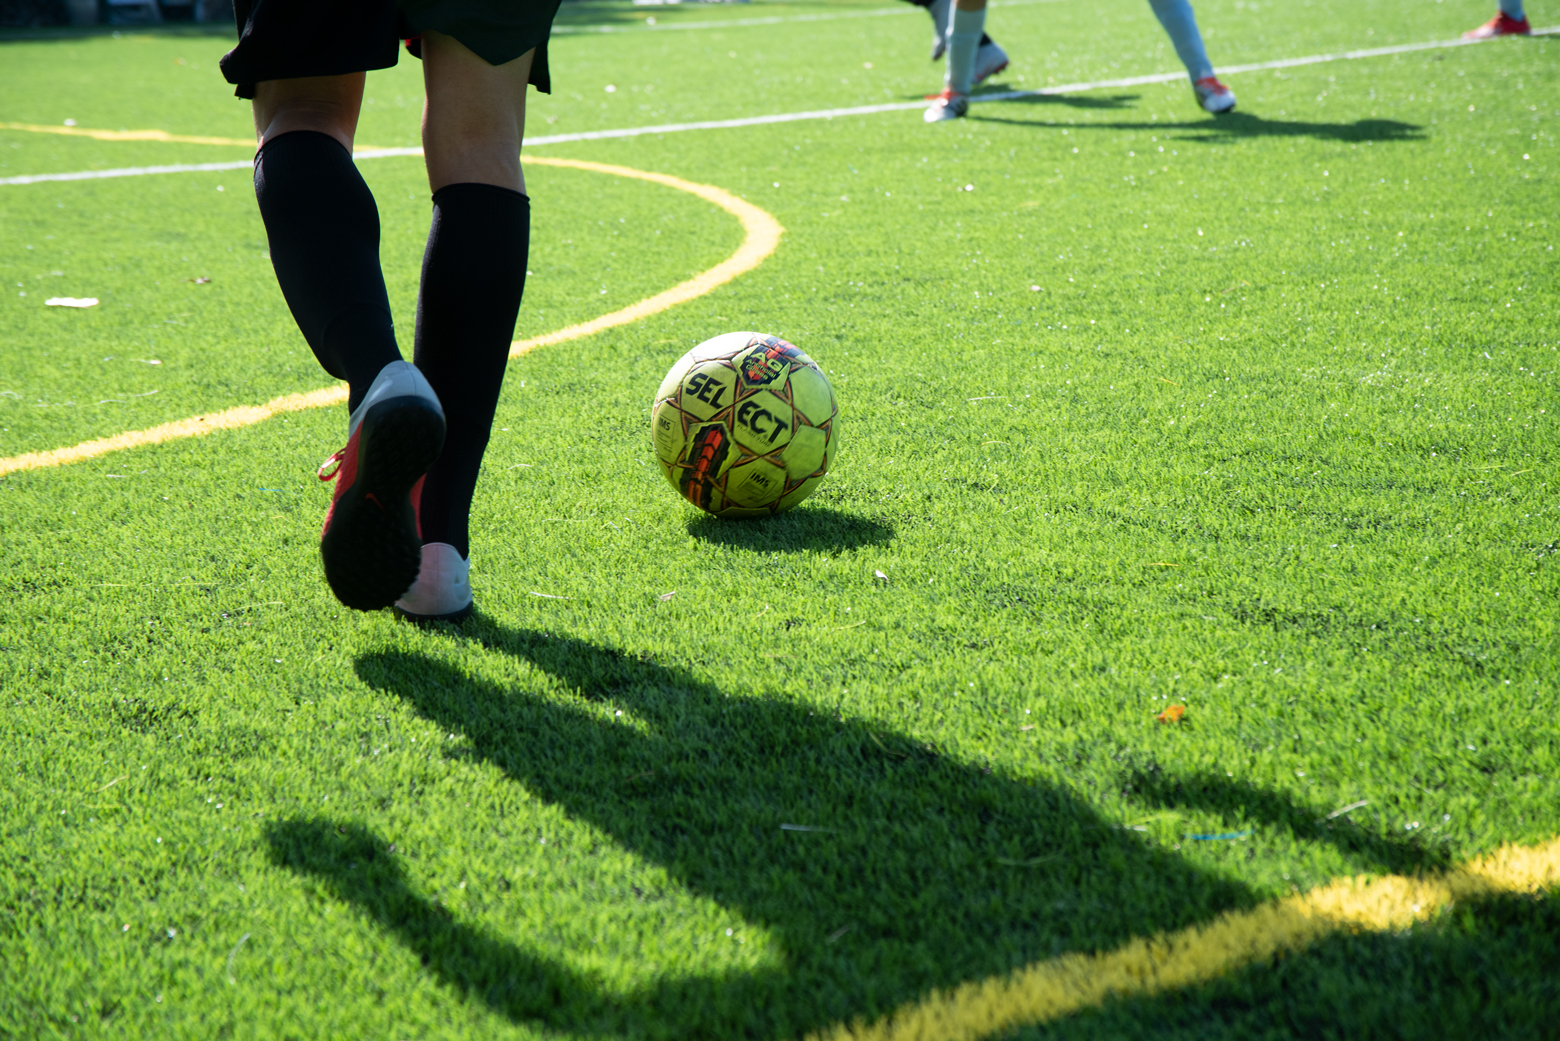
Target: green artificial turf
point(1262, 423)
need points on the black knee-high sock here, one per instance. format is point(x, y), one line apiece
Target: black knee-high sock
point(323, 229)
point(472, 278)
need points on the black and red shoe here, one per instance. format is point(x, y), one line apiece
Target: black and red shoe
point(370, 544)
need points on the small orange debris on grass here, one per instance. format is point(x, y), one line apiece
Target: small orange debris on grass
point(1172, 714)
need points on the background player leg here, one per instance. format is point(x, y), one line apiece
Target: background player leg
point(990, 58)
point(965, 30)
point(323, 230)
point(1179, 22)
point(938, 9)
point(473, 277)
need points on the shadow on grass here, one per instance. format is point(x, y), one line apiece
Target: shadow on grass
point(1489, 968)
point(1230, 126)
point(1088, 101)
point(1241, 804)
point(920, 872)
point(816, 528)
point(355, 867)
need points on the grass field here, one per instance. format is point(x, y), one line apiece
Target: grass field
point(1255, 415)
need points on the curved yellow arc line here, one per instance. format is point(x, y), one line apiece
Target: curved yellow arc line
point(762, 236)
point(1050, 990)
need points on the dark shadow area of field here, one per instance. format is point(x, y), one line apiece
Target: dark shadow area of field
point(923, 872)
point(815, 528)
point(1229, 126)
point(1241, 804)
point(1488, 968)
point(1088, 101)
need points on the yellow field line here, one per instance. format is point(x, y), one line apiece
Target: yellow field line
point(1058, 987)
point(129, 135)
point(762, 236)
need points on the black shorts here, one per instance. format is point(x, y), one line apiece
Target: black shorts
point(286, 39)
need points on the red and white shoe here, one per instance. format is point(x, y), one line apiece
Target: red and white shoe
point(990, 59)
point(370, 543)
point(1500, 25)
point(947, 105)
point(1213, 96)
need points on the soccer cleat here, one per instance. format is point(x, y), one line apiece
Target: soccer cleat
point(442, 592)
point(1501, 25)
point(1213, 96)
point(939, 10)
point(989, 60)
point(370, 545)
point(947, 105)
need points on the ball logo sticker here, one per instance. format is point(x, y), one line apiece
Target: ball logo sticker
point(757, 370)
point(764, 367)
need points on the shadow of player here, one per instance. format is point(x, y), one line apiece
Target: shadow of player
point(1232, 125)
point(815, 528)
point(922, 871)
point(1240, 804)
point(1085, 101)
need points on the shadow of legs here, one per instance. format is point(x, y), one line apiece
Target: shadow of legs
point(916, 872)
point(354, 866)
point(1237, 802)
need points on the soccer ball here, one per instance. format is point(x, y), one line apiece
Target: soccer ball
point(745, 425)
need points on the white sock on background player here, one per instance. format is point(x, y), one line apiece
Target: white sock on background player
point(964, 33)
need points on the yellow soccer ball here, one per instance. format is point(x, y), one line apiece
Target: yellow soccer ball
point(745, 425)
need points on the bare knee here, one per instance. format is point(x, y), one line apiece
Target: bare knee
point(474, 117)
point(325, 104)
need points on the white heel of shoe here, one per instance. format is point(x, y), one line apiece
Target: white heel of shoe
point(442, 592)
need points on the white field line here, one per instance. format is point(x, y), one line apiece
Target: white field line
point(796, 117)
point(761, 236)
point(570, 30)
point(126, 171)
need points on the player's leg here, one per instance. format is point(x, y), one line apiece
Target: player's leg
point(1181, 25)
point(990, 58)
point(938, 9)
point(965, 30)
point(472, 281)
point(1510, 20)
point(322, 224)
point(323, 230)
